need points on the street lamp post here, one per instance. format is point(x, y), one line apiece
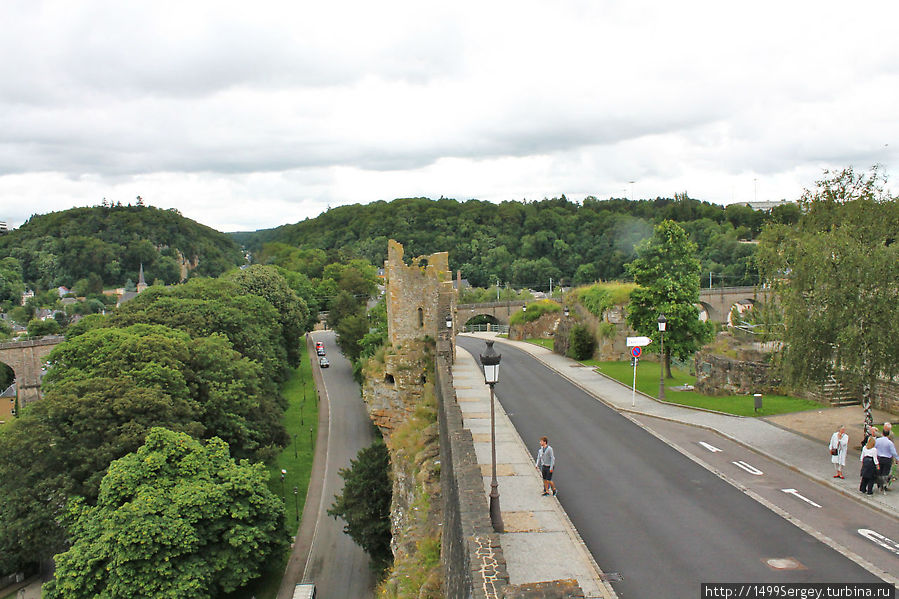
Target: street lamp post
point(296, 505)
point(490, 361)
point(283, 474)
point(662, 321)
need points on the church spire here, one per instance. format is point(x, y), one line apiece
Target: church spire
point(141, 283)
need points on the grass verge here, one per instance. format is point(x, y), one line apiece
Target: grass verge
point(740, 405)
point(301, 421)
point(547, 343)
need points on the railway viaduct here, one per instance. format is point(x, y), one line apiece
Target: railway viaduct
point(715, 305)
point(26, 358)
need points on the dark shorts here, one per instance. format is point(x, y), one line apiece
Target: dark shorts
point(547, 473)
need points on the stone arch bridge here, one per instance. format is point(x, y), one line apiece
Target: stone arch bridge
point(501, 311)
point(26, 358)
point(715, 304)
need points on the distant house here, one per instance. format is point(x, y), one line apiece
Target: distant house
point(8, 403)
point(3, 227)
point(27, 295)
point(62, 291)
point(765, 205)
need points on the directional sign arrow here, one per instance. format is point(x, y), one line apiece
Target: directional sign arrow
point(748, 468)
point(638, 341)
point(796, 493)
point(888, 544)
point(711, 448)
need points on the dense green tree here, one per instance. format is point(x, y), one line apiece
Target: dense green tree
point(364, 503)
point(40, 328)
point(111, 243)
point(174, 519)
point(202, 307)
point(666, 271)
point(293, 314)
point(227, 389)
point(350, 332)
point(11, 284)
point(593, 239)
point(837, 278)
point(344, 305)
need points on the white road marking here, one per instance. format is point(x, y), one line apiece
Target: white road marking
point(711, 448)
point(796, 493)
point(748, 468)
point(886, 543)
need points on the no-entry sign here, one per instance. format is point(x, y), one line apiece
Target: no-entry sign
point(636, 351)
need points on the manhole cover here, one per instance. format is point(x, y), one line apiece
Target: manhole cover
point(611, 577)
point(784, 563)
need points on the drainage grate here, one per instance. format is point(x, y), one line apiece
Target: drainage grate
point(611, 577)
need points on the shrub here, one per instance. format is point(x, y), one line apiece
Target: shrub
point(581, 343)
point(600, 297)
point(535, 310)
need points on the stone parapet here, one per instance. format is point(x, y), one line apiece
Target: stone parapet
point(474, 565)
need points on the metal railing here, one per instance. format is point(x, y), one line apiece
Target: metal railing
point(502, 329)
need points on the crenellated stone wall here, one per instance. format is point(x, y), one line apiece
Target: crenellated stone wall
point(420, 296)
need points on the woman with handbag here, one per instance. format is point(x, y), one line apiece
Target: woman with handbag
point(839, 447)
point(869, 467)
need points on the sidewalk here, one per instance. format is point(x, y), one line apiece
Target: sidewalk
point(801, 450)
point(534, 525)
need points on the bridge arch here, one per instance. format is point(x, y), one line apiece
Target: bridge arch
point(26, 358)
point(500, 311)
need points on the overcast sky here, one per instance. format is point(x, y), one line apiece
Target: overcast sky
point(248, 115)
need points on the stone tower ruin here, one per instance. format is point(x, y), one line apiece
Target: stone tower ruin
point(420, 296)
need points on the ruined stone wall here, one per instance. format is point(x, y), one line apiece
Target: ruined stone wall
point(608, 347)
point(721, 375)
point(542, 328)
point(419, 296)
point(886, 396)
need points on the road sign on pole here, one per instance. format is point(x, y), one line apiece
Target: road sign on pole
point(636, 351)
point(638, 341)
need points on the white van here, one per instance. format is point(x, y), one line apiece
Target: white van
point(304, 591)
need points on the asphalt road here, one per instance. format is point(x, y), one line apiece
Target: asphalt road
point(850, 525)
point(338, 566)
point(645, 511)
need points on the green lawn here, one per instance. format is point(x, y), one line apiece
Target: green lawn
point(301, 421)
point(547, 343)
point(741, 405)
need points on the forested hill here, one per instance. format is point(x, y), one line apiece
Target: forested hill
point(526, 244)
point(111, 242)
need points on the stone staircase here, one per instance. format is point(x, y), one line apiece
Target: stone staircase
point(834, 393)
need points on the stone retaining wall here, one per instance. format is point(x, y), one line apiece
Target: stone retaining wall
point(720, 375)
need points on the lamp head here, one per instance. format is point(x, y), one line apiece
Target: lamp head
point(662, 322)
point(490, 361)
